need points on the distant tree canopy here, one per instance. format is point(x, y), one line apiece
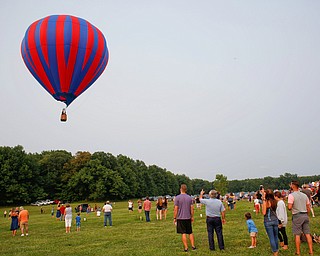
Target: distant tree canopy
point(281, 182)
point(57, 174)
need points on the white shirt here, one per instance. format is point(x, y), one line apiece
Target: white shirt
point(107, 208)
point(282, 212)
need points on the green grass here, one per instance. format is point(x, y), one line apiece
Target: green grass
point(130, 236)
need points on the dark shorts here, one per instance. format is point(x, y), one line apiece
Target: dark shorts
point(184, 226)
point(300, 224)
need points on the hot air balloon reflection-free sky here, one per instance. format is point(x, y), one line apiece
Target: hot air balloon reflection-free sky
point(65, 54)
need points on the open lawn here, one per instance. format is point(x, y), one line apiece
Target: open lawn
point(131, 236)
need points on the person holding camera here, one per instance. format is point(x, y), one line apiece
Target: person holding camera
point(215, 212)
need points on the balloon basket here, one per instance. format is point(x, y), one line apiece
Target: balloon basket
point(63, 117)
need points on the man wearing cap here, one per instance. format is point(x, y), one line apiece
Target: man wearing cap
point(299, 204)
point(215, 212)
point(107, 209)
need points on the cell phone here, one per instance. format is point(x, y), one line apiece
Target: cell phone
point(261, 187)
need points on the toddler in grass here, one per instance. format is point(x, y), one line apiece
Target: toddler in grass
point(253, 231)
point(78, 221)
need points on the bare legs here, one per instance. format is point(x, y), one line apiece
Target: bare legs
point(185, 241)
point(298, 242)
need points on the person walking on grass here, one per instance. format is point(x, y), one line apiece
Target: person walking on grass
point(159, 208)
point(130, 206)
point(256, 202)
point(215, 212)
point(139, 202)
point(63, 212)
point(58, 213)
point(68, 217)
point(164, 207)
point(253, 231)
point(78, 222)
point(183, 217)
point(269, 207)
point(24, 221)
point(147, 208)
point(283, 220)
point(299, 204)
point(14, 221)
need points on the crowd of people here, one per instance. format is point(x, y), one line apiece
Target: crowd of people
point(271, 204)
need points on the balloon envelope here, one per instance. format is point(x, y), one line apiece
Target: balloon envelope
point(66, 55)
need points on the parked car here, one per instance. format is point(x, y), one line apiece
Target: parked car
point(42, 202)
point(169, 198)
point(37, 203)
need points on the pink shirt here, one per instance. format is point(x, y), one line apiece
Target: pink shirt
point(147, 205)
point(300, 204)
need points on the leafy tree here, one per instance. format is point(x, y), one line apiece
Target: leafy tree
point(19, 175)
point(51, 164)
point(199, 184)
point(221, 183)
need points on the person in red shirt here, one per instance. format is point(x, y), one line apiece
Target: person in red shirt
point(147, 208)
point(63, 211)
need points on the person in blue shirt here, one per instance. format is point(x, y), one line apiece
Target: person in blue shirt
point(215, 212)
point(253, 231)
point(78, 221)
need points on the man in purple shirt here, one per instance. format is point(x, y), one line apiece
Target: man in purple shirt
point(183, 216)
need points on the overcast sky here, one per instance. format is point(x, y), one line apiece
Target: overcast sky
point(196, 87)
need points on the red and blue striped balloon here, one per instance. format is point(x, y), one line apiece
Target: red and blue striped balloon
point(66, 55)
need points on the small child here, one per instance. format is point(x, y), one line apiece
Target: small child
point(256, 205)
point(52, 212)
point(252, 230)
point(78, 221)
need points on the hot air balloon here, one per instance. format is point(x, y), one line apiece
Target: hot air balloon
point(65, 54)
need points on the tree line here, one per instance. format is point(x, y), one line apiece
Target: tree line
point(57, 174)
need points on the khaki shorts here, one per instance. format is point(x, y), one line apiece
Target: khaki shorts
point(253, 234)
point(300, 224)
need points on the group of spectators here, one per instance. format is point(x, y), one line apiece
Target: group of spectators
point(19, 219)
point(273, 209)
point(270, 203)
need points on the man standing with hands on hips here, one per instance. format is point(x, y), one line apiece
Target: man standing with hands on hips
point(215, 212)
point(183, 216)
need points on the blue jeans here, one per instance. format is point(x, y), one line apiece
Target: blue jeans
point(147, 213)
point(272, 231)
point(215, 224)
point(107, 216)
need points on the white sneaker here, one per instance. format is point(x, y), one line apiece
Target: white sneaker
point(27, 234)
point(251, 247)
point(22, 234)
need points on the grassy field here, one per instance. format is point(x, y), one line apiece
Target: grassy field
point(131, 236)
